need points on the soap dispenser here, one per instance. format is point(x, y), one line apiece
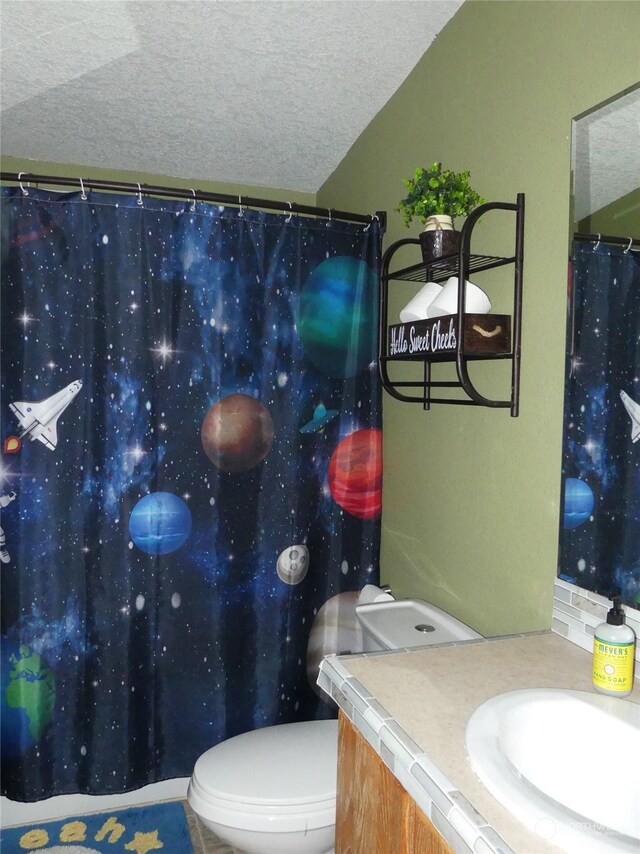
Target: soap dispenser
point(613, 654)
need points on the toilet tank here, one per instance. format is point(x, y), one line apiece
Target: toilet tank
point(406, 623)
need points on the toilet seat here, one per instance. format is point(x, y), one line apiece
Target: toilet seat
point(278, 779)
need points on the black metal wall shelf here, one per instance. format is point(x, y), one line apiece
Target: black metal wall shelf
point(458, 338)
point(444, 267)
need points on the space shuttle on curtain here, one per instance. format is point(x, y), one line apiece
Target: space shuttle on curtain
point(39, 420)
point(633, 409)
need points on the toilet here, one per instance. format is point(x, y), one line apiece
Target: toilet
point(273, 790)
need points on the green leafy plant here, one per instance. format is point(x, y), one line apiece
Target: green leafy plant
point(438, 191)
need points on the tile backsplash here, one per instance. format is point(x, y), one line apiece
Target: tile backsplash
point(576, 613)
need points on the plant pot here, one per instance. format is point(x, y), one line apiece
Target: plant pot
point(439, 238)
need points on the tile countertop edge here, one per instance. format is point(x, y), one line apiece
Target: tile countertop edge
point(443, 802)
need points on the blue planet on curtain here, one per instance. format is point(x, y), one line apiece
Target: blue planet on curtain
point(578, 502)
point(160, 523)
point(216, 481)
point(336, 313)
point(600, 528)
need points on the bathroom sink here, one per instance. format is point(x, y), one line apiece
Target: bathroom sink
point(565, 763)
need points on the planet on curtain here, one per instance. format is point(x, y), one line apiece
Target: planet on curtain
point(600, 519)
point(191, 472)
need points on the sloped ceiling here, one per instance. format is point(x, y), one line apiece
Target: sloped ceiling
point(265, 92)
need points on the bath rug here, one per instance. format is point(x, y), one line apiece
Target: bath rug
point(138, 830)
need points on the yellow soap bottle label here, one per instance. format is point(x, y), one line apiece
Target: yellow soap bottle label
point(612, 665)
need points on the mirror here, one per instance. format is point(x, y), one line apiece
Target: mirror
point(605, 167)
point(599, 519)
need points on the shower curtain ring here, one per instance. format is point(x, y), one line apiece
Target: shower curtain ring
point(139, 195)
point(24, 192)
point(598, 243)
point(369, 224)
point(629, 246)
point(288, 218)
point(240, 212)
point(328, 224)
point(83, 195)
point(193, 203)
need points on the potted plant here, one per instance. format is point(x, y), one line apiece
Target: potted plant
point(436, 196)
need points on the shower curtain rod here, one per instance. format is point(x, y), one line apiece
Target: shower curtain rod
point(605, 238)
point(27, 178)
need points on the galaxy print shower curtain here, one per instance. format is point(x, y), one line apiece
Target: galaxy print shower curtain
point(191, 478)
point(600, 530)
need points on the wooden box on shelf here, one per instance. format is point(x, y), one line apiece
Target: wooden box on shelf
point(484, 335)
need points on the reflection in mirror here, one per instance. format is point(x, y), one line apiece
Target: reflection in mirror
point(599, 544)
point(605, 161)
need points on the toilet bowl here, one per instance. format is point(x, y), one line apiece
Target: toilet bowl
point(273, 790)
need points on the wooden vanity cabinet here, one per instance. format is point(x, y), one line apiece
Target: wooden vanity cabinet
point(375, 813)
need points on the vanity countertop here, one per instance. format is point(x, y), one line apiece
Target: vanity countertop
point(413, 706)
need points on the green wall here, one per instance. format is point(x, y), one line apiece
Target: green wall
point(619, 219)
point(20, 164)
point(471, 496)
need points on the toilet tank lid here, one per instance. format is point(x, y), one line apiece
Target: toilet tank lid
point(286, 764)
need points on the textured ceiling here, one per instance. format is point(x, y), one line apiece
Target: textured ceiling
point(265, 92)
point(606, 154)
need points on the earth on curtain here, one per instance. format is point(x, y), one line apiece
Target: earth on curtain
point(191, 472)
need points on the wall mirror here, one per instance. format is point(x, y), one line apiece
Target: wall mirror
point(599, 543)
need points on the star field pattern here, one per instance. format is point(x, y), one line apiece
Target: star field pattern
point(600, 526)
point(142, 585)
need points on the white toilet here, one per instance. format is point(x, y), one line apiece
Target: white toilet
point(273, 790)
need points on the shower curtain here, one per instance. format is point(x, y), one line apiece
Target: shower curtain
point(191, 478)
point(600, 519)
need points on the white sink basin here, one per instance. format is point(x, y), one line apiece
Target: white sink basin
point(565, 763)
